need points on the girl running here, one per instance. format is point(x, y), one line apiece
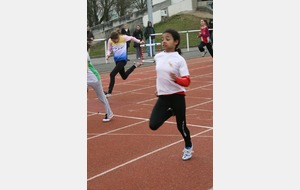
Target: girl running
point(94, 80)
point(205, 38)
point(172, 76)
point(117, 45)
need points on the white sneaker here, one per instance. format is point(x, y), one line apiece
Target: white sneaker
point(187, 153)
point(107, 95)
point(138, 64)
point(204, 53)
point(108, 118)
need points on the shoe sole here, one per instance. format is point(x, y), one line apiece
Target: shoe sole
point(107, 120)
point(186, 158)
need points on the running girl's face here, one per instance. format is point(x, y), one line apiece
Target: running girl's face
point(202, 23)
point(168, 42)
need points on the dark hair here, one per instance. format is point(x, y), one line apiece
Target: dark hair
point(206, 23)
point(115, 34)
point(175, 36)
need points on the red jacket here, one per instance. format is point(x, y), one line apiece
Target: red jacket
point(204, 34)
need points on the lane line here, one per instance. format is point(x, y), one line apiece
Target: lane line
point(140, 157)
point(146, 119)
point(127, 126)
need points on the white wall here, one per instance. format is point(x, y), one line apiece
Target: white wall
point(175, 1)
point(154, 2)
point(184, 5)
point(176, 7)
point(156, 18)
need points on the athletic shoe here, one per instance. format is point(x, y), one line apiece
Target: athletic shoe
point(204, 53)
point(137, 64)
point(187, 153)
point(107, 94)
point(108, 118)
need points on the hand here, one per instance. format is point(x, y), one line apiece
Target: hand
point(107, 57)
point(155, 93)
point(173, 76)
point(142, 42)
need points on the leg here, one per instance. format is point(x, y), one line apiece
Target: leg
point(97, 86)
point(138, 49)
point(201, 46)
point(179, 108)
point(122, 72)
point(148, 47)
point(119, 66)
point(153, 47)
point(159, 113)
point(210, 50)
point(137, 52)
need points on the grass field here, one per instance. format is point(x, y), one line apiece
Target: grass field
point(181, 22)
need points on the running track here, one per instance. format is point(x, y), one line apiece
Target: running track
point(124, 154)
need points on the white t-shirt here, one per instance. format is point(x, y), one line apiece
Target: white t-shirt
point(167, 63)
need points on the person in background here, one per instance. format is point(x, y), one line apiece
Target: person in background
point(138, 34)
point(205, 38)
point(90, 36)
point(210, 29)
point(148, 31)
point(125, 31)
point(172, 76)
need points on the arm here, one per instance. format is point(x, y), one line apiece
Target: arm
point(199, 34)
point(128, 38)
point(109, 49)
point(183, 81)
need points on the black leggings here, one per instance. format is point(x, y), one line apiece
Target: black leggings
point(119, 68)
point(208, 45)
point(161, 113)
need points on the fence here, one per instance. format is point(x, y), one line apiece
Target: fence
point(186, 32)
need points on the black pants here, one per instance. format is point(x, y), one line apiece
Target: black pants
point(161, 113)
point(208, 45)
point(119, 68)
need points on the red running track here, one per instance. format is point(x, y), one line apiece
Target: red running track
point(124, 154)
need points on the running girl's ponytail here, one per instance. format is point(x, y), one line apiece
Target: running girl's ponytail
point(178, 50)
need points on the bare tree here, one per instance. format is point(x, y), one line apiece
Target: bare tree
point(92, 12)
point(105, 6)
point(140, 4)
point(122, 6)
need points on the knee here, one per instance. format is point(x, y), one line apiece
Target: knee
point(112, 74)
point(124, 77)
point(200, 48)
point(153, 126)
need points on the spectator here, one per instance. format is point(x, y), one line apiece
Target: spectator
point(138, 34)
point(90, 36)
point(125, 31)
point(210, 29)
point(148, 31)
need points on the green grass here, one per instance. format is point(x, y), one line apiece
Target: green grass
point(178, 22)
